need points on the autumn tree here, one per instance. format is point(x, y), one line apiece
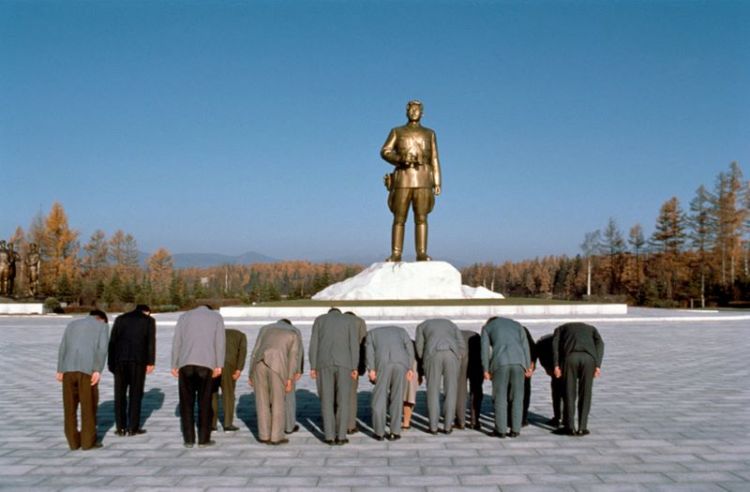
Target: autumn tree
point(701, 233)
point(123, 254)
point(590, 246)
point(160, 270)
point(60, 250)
point(729, 216)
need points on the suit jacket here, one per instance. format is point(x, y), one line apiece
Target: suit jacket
point(532, 345)
point(544, 351)
point(504, 343)
point(577, 337)
point(278, 347)
point(133, 339)
point(236, 349)
point(301, 355)
point(388, 345)
point(199, 339)
point(434, 335)
point(334, 341)
point(473, 341)
point(417, 143)
point(84, 346)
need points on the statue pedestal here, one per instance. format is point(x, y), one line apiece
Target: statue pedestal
point(405, 281)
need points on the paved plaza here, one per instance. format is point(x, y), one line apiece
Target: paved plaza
point(671, 411)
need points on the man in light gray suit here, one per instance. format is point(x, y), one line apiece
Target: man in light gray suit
point(290, 400)
point(334, 355)
point(506, 360)
point(273, 365)
point(390, 355)
point(440, 345)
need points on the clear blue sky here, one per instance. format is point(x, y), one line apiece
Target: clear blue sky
point(228, 126)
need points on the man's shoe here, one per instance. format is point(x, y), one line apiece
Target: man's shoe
point(433, 432)
point(352, 431)
point(477, 426)
point(264, 441)
point(525, 423)
point(512, 434)
point(460, 426)
point(500, 435)
point(294, 429)
point(188, 444)
point(341, 442)
point(136, 432)
point(276, 443)
point(96, 445)
point(584, 432)
point(206, 444)
point(330, 442)
point(394, 437)
point(562, 431)
point(553, 422)
point(447, 431)
point(379, 438)
point(231, 428)
point(121, 432)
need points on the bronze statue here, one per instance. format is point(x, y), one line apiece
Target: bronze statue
point(33, 266)
point(12, 258)
point(4, 268)
point(415, 182)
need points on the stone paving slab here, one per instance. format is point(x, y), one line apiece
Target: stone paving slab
point(671, 412)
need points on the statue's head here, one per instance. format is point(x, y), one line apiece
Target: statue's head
point(33, 247)
point(414, 110)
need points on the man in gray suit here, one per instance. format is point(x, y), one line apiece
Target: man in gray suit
point(506, 360)
point(361, 327)
point(390, 355)
point(440, 345)
point(273, 365)
point(334, 356)
point(198, 351)
point(290, 399)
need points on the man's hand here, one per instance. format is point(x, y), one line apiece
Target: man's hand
point(250, 382)
point(236, 375)
point(597, 372)
point(59, 377)
point(528, 372)
point(297, 375)
point(288, 386)
point(175, 372)
point(150, 369)
point(436, 190)
point(409, 375)
point(95, 378)
point(372, 376)
point(313, 374)
point(216, 373)
point(355, 374)
point(558, 372)
point(487, 375)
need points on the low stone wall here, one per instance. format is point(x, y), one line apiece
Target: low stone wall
point(21, 308)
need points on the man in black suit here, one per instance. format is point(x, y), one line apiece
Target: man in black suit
point(577, 351)
point(132, 352)
point(544, 351)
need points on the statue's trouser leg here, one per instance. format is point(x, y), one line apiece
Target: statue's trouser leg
point(399, 204)
point(423, 201)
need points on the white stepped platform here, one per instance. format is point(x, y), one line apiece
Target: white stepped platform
point(21, 308)
point(404, 281)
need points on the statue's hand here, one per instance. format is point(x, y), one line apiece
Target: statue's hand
point(436, 190)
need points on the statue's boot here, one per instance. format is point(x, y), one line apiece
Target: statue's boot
point(397, 242)
point(420, 240)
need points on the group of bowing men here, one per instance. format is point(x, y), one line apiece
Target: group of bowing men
point(207, 358)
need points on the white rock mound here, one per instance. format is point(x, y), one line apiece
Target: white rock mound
point(404, 281)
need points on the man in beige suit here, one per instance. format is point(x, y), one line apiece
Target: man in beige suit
point(274, 362)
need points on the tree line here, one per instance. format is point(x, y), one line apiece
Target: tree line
point(696, 256)
point(107, 272)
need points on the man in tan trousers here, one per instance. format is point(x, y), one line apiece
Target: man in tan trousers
point(273, 365)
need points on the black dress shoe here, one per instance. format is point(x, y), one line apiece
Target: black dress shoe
point(231, 428)
point(264, 441)
point(330, 442)
point(294, 429)
point(447, 431)
point(525, 423)
point(121, 432)
point(206, 444)
point(584, 432)
point(188, 444)
point(477, 426)
point(341, 442)
point(512, 434)
point(553, 422)
point(379, 438)
point(562, 431)
point(96, 445)
point(500, 435)
point(394, 437)
point(433, 432)
point(276, 443)
point(136, 432)
point(352, 431)
point(460, 426)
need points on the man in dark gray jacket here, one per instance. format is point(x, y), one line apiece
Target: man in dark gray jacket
point(440, 345)
point(390, 355)
point(506, 360)
point(198, 351)
point(577, 350)
point(334, 356)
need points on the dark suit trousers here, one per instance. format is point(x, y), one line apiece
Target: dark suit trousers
point(334, 389)
point(227, 385)
point(558, 389)
point(477, 395)
point(130, 377)
point(77, 390)
point(507, 387)
point(526, 401)
point(578, 376)
point(195, 382)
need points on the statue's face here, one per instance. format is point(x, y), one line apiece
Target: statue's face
point(414, 112)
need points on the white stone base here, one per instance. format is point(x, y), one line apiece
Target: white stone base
point(21, 308)
point(404, 281)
